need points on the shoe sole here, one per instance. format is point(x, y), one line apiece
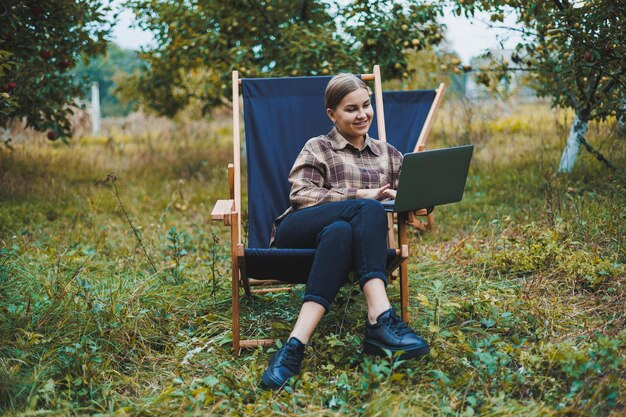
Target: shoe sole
point(372, 348)
point(269, 383)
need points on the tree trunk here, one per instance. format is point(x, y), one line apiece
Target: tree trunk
point(568, 158)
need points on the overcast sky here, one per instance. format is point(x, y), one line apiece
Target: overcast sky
point(468, 37)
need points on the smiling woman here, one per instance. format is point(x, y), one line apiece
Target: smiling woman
point(353, 115)
point(337, 183)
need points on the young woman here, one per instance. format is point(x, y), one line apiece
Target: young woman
point(337, 182)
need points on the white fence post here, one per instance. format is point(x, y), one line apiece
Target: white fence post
point(95, 109)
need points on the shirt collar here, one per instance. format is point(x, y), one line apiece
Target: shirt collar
point(339, 142)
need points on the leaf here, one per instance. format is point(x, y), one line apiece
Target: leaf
point(423, 300)
point(397, 377)
point(440, 375)
point(488, 323)
point(438, 286)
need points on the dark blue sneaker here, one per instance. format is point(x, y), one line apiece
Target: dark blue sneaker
point(284, 364)
point(391, 333)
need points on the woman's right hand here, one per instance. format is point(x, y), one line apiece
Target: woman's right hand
point(373, 193)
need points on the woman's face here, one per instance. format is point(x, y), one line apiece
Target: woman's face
point(353, 116)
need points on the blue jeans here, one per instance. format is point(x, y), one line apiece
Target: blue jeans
point(348, 235)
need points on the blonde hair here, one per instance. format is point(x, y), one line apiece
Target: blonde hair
point(340, 86)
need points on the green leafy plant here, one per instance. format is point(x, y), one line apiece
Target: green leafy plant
point(215, 272)
point(110, 181)
point(177, 250)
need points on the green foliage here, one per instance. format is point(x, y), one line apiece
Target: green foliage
point(198, 44)
point(7, 102)
point(45, 39)
point(178, 248)
point(107, 70)
point(213, 261)
point(531, 251)
point(574, 51)
point(427, 68)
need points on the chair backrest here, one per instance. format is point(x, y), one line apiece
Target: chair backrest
point(281, 114)
point(405, 116)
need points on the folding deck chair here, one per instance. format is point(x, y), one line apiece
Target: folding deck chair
point(280, 115)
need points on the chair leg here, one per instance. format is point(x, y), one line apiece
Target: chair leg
point(244, 277)
point(235, 300)
point(404, 269)
point(404, 291)
point(391, 238)
point(234, 237)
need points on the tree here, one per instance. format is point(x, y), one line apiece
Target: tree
point(106, 69)
point(39, 42)
point(429, 67)
point(7, 102)
point(199, 43)
point(575, 52)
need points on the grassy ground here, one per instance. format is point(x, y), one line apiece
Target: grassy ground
point(114, 294)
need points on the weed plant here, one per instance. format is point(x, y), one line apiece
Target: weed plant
point(117, 301)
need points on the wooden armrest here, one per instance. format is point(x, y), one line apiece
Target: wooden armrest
point(404, 251)
point(222, 210)
point(420, 225)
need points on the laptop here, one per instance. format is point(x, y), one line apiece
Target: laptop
point(431, 178)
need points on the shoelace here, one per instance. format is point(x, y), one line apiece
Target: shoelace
point(292, 358)
point(397, 325)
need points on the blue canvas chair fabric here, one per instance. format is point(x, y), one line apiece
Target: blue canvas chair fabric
point(405, 116)
point(280, 115)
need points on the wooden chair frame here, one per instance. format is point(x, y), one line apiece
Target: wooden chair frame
point(429, 224)
point(229, 211)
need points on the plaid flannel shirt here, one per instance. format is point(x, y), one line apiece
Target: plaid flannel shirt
point(329, 169)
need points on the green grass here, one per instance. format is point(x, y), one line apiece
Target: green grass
point(520, 291)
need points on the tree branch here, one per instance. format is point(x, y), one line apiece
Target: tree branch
point(590, 92)
point(559, 5)
point(614, 79)
point(512, 29)
point(304, 10)
point(596, 153)
point(508, 69)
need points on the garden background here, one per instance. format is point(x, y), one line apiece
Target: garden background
point(115, 284)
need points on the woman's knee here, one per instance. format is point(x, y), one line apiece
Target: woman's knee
point(340, 232)
point(372, 204)
point(373, 209)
